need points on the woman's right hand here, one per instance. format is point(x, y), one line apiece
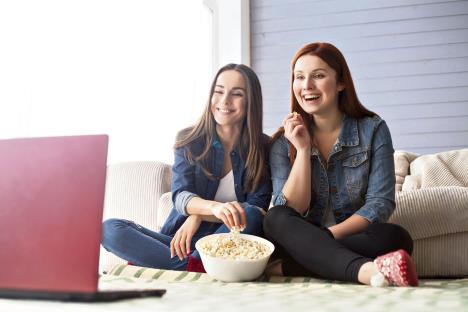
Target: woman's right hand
point(296, 132)
point(180, 244)
point(232, 214)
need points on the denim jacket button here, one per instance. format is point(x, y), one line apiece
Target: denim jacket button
point(333, 190)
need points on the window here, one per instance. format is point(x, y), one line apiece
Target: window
point(136, 70)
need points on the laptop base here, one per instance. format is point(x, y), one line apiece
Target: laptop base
point(101, 296)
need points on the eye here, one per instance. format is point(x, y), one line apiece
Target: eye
point(218, 92)
point(237, 94)
point(318, 76)
point(298, 77)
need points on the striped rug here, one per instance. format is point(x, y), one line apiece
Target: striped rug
point(188, 291)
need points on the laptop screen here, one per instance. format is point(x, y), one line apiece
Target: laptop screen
point(51, 203)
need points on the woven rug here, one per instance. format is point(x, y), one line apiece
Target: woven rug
point(199, 292)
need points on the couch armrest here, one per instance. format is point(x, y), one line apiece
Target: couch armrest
point(429, 212)
point(164, 209)
point(402, 161)
point(133, 190)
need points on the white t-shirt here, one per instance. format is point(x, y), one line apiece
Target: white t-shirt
point(226, 191)
point(328, 217)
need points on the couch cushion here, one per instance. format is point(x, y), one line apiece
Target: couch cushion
point(432, 212)
point(442, 255)
point(441, 169)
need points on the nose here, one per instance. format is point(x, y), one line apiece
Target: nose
point(224, 99)
point(308, 83)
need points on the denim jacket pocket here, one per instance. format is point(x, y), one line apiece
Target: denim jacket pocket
point(355, 160)
point(356, 172)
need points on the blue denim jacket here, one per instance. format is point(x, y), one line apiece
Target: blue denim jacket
point(188, 181)
point(359, 178)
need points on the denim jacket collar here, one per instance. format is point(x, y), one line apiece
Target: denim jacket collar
point(349, 135)
point(216, 142)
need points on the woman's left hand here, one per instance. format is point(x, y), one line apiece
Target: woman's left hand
point(180, 244)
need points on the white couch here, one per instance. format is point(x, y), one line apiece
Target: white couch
point(134, 191)
point(432, 204)
point(436, 215)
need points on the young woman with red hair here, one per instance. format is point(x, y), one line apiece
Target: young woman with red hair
point(334, 182)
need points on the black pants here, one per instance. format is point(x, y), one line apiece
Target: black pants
point(308, 250)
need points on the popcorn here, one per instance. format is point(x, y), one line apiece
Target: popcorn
point(234, 247)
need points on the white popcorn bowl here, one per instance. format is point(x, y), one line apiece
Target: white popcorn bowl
point(232, 270)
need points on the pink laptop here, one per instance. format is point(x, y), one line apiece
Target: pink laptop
point(51, 205)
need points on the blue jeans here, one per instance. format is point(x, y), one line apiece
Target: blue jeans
point(147, 248)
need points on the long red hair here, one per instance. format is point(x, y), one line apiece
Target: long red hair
point(348, 102)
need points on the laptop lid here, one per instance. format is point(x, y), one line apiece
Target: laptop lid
point(51, 204)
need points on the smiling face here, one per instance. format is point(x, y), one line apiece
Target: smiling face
point(315, 85)
point(228, 100)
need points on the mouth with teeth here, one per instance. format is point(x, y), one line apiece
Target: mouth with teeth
point(311, 98)
point(224, 110)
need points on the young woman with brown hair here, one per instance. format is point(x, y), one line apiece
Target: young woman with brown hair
point(220, 179)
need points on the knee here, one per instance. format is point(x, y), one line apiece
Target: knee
point(253, 212)
point(275, 219)
point(254, 216)
point(111, 230)
point(400, 236)
point(405, 238)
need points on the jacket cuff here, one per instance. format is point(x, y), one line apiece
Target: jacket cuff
point(376, 211)
point(182, 200)
point(278, 200)
point(369, 216)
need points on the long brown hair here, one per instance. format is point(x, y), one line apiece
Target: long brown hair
point(348, 102)
point(250, 144)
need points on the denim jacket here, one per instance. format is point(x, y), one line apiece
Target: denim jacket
point(359, 178)
point(189, 180)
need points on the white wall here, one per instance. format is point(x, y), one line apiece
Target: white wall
point(409, 60)
point(136, 70)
